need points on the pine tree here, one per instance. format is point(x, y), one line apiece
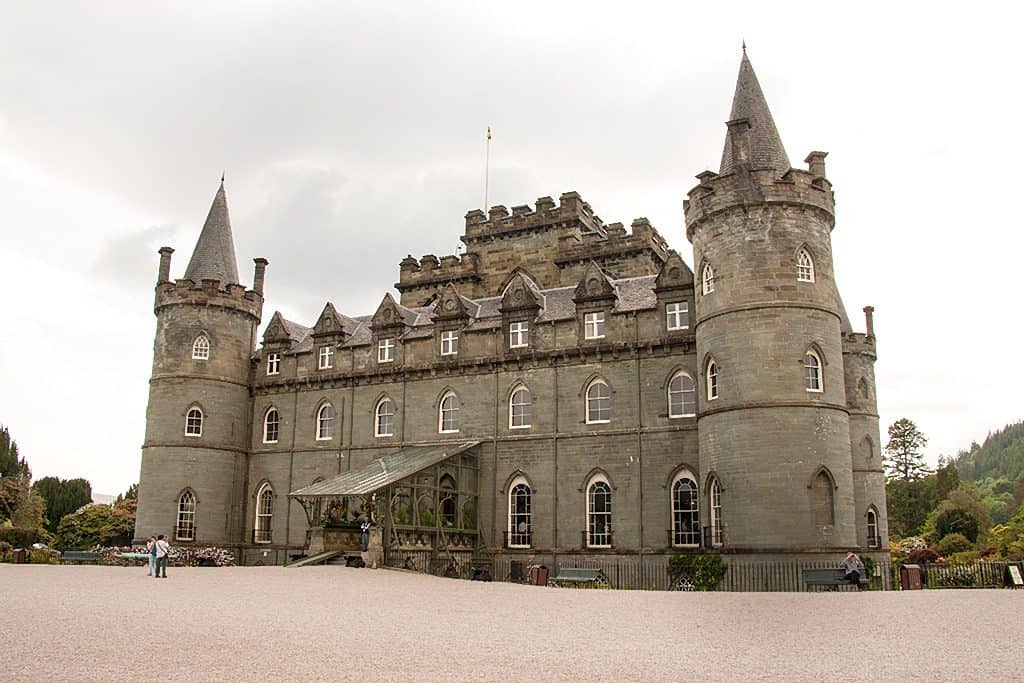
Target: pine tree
point(903, 457)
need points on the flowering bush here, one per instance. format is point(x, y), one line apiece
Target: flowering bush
point(178, 557)
point(912, 543)
point(922, 556)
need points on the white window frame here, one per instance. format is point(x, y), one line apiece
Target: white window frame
point(590, 419)
point(682, 391)
point(185, 522)
point(325, 425)
point(520, 538)
point(263, 524)
point(194, 426)
point(386, 350)
point(593, 325)
point(680, 538)
point(378, 430)
point(675, 312)
point(525, 404)
point(602, 539)
point(715, 494)
point(449, 342)
point(273, 364)
point(201, 348)
point(453, 409)
point(814, 376)
point(519, 334)
point(267, 423)
point(326, 357)
point(804, 266)
point(711, 379)
point(707, 279)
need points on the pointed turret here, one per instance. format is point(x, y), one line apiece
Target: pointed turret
point(214, 256)
point(766, 150)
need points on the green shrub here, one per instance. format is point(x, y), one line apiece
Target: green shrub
point(43, 556)
point(964, 557)
point(953, 543)
point(704, 571)
point(19, 537)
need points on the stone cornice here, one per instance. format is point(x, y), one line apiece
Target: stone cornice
point(754, 405)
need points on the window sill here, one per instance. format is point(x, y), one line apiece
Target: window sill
point(269, 443)
point(448, 431)
point(383, 436)
point(682, 417)
point(325, 438)
point(598, 422)
point(519, 426)
point(193, 436)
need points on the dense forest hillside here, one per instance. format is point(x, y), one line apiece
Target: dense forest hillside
point(1000, 457)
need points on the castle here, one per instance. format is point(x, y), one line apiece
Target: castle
point(564, 392)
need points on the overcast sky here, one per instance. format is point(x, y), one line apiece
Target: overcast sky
point(352, 137)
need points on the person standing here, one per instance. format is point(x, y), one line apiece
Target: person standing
point(162, 549)
point(365, 528)
point(852, 569)
point(151, 551)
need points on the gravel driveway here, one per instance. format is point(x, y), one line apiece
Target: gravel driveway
point(334, 623)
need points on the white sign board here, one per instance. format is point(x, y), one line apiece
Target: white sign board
point(1015, 575)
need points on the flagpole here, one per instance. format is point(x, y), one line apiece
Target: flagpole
point(487, 170)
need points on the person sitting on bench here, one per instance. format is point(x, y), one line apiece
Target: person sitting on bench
point(852, 569)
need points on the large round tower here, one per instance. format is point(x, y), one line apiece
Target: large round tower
point(773, 423)
point(197, 421)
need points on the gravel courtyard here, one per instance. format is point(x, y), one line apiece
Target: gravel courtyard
point(334, 623)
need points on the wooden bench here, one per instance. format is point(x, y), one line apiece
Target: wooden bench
point(79, 556)
point(829, 577)
point(580, 577)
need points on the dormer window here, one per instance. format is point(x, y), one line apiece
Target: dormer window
point(273, 363)
point(518, 335)
point(677, 316)
point(386, 350)
point(449, 342)
point(593, 325)
point(326, 357)
point(201, 348)
point(708, 279)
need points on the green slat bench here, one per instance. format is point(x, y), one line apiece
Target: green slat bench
point(79, 556)
point(580, 577)
point(828, 577)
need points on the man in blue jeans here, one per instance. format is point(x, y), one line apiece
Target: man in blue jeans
point(162, 549)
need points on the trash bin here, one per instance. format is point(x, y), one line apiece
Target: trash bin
point(515, 571)
point(538, 575)
point(19, 556)
point(910, 577)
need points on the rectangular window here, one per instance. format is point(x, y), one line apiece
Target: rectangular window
point(677, 315)
point(593, 325)
point(518, 335)
point(273, 363)
point(449, 343)
point(385, 350)
point(326, 357)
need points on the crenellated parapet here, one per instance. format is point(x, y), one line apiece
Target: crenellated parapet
point(614, 244)
point(208, 293)
point(859, 343)
point(418, 278)
point(571, 210)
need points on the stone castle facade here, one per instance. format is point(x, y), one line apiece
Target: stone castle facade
point(616, 408)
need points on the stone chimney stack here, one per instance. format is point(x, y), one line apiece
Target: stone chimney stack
point(258, 275)
point(816, 163)
point(739, 141)
point(869, 320)
point(165, 265)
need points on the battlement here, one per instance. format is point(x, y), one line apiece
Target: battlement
point(614, 242)
point(858, 342)
point(208, 292)
point(430, 271)
point(545, 214)
point(745, 187)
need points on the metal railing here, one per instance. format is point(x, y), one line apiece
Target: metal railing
point(976, 574)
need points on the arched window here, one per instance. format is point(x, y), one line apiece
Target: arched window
point(599, 402)
point(873, 539)
point(804, 266)
point(682, 396)
point(201, 348)
point(271, 426)
point(449, 501)
point(194, 422)
point(685, 510)
point(712, 380)
point(869, 448)
point(707, 279)
point(599, 513)
point(520, 506)
point(824, 508)
point(384, 418)
point(325, 422)
point(520, 409)
point(264, 514)
point(185, 529)
point(448, 417)
point(715, 494)
point(812, 371)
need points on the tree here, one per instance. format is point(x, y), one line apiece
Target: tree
point(131, 494)
point(94, 525)
point(903, 457)
point(63, 496)
point(909, 503)
point(15, 480)
point(947, 480)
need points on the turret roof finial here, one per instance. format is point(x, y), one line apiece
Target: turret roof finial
point(744, 47)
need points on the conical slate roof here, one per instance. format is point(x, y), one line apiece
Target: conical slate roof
point(766, 150)
point(214, 256)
